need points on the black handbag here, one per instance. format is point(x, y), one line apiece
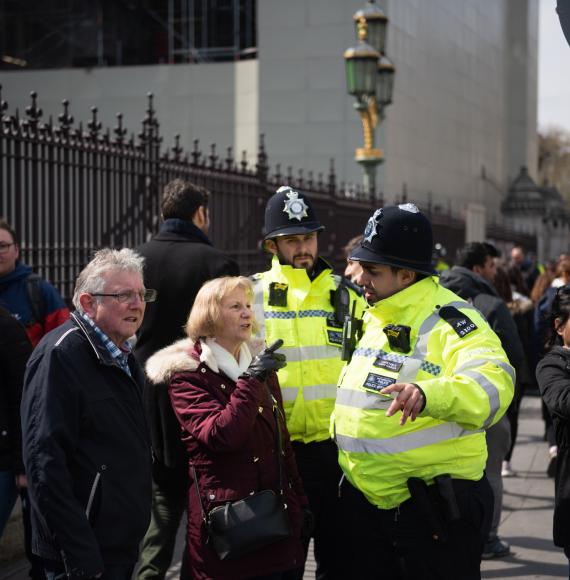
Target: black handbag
point(243, 526)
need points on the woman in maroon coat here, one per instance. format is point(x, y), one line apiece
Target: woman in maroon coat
point(219, 385)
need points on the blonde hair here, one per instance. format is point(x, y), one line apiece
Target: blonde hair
point(204, 316)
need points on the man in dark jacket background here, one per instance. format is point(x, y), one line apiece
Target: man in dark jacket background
point(178, 260)
point(85, 440)
point(472, 279)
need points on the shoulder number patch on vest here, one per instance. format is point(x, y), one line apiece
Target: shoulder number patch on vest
point(376, 382)
point(460, 322)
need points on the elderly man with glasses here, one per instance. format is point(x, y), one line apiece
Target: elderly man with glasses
point(86, 446)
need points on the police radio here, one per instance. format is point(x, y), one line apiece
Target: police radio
point(351, 334)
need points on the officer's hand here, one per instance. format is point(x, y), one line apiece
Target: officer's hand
point(265, 362)
point(409, 399)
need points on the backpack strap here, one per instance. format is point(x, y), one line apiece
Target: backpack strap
point(37, 302)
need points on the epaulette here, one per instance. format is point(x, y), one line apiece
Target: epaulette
point(459, 321)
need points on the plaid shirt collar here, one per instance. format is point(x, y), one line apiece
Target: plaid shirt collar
point(120, 355)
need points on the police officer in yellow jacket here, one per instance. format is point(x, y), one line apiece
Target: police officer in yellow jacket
point(426, 379)
point(302, 302)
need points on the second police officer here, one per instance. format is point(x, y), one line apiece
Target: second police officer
point(426, 379)
point(302, 302)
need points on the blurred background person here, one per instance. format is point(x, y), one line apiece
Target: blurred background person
point(30, 298)
point(352, 267)
point(472, 278)
point(521, 309)
point(439, 258)
point(527, 267)
point(542, 327)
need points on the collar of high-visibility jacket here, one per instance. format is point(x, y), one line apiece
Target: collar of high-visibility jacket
point(296, 278)
point(410, 297)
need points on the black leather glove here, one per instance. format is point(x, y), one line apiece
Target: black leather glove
point(266, 361)
point(307, 526)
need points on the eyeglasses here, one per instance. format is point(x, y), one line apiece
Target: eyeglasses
point(5, 247)
point(129, 296)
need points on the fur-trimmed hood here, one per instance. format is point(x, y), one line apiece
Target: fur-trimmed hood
point(180, 357)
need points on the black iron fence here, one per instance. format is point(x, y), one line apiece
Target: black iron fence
point(69, 189)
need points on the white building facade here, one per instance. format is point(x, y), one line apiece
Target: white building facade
point(462, 122)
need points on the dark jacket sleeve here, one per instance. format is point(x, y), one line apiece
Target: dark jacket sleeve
point(51, 422)
point(15, 350)
point(501, 321)
point(289, 455)
point(221, 427)
point(554, 383)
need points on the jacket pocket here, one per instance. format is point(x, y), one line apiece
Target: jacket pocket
point(94, 493)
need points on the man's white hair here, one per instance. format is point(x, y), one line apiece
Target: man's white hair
point(92, 280)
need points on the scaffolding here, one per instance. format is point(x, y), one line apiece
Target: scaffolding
point(68, 33)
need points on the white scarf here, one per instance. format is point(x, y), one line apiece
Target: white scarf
point(225, 360)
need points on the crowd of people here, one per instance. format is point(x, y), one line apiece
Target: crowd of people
point(374, 413)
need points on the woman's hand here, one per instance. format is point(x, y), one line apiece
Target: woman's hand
point(266, 361)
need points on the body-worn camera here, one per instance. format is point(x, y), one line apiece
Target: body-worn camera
point(398, 337)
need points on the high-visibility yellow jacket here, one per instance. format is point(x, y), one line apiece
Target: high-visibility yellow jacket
point(312, 343)
point(465, 376)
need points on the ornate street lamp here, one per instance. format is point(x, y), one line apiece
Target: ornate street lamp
point(370, 78)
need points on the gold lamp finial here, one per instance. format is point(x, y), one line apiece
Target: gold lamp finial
point(362, 29)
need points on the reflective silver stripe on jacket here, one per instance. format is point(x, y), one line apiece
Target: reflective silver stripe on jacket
point(470, 369)
point(305, 353)
point(310, 392)
point(410, 368)
point(92, 494)
point(406, 442)
point(362, 399)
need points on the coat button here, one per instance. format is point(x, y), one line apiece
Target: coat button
point(203, 369)
point(103, 467)
point(211, 497)
point(223, 386)
point(260, 409)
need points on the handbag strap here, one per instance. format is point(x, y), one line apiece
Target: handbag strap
point(198, 493)
point(279, 443)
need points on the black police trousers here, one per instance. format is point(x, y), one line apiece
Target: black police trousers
point(318, 466)
point(397, 544)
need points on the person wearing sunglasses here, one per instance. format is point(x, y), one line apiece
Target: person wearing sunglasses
point(85, 440)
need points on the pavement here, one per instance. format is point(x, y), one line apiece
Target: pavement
point(526, 521)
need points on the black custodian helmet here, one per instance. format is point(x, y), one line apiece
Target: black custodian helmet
point(399, 236)
point(289, 212)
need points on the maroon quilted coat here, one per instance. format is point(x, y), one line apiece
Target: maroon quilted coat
point(229, 431)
